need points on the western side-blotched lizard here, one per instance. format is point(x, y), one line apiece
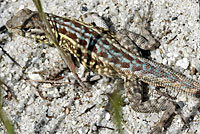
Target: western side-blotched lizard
point(114, 55)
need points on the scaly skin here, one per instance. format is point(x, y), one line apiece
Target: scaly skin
point(109, 54)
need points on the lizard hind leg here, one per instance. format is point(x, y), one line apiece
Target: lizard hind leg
point(134, 90)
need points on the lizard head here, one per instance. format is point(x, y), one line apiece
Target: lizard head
point(26, 23)
point(18, 23)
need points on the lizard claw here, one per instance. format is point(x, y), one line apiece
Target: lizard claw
point(157, 129)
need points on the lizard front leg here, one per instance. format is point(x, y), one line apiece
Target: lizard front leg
point(93, 18)
point(143, 38)
point(134, 93)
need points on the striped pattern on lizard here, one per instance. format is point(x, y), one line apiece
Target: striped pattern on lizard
point(114, 55)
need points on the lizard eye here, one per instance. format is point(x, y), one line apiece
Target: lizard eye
point(26, 29)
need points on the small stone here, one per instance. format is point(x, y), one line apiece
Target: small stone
point(46, 85)
point(74, 122)
point(174, 18)
point(33, 76)
point(107, 116)
point(94, 128)
point(21, 7)
point(164, 61)
point(183, 63)
point(67, 111)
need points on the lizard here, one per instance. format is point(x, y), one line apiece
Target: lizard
point(109, 54)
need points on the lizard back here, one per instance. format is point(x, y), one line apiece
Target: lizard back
point(99, 50)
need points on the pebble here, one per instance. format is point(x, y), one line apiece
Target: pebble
point(184, 63)
point(33, 76)
point(107, 117)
